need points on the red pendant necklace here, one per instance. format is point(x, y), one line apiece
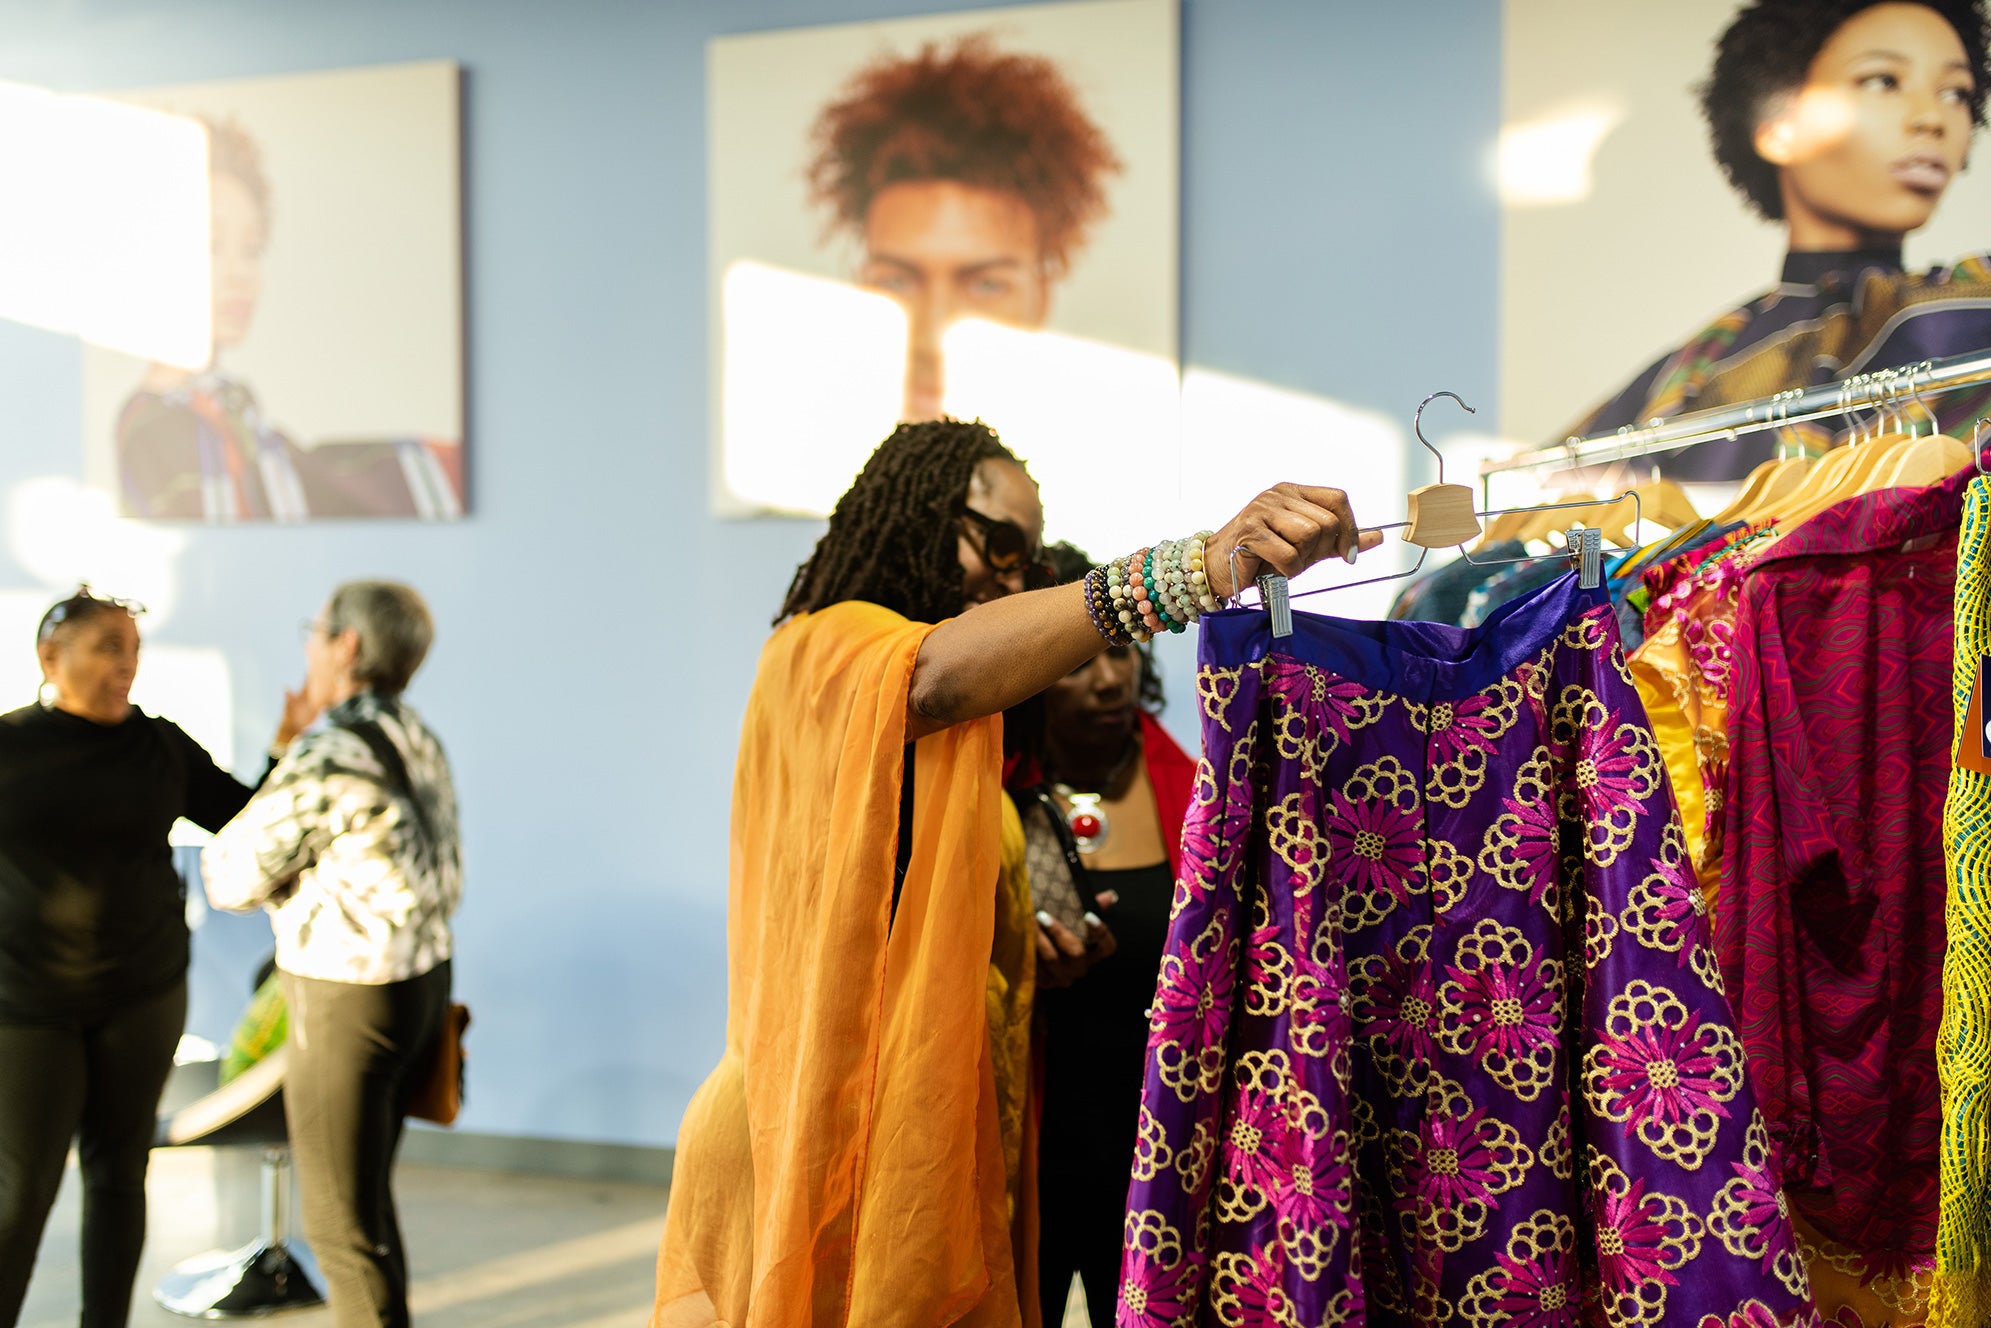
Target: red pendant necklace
point(1086, 815)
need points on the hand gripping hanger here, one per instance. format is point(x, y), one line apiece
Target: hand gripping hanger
point(1442, 514)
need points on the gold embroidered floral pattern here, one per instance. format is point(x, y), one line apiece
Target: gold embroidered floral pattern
point(1611, 772)
point(1522, 850)
point(1503, 1007)
point(1462, 735)
point(1361, 1052)
point(1643, 1239)
point(1751, 1217)
point(1665, 1071)
point(1537, 1284)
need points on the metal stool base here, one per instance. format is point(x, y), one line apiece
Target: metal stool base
point(260, 1278)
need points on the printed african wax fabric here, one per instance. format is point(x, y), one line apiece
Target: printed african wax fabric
point(1963, 1042)
point(1683, 667)
point(1830, 929)
point(206, 449)
point(1439, 1035)
point(1509, 583)
point(1442, 596)
point(1832, 316)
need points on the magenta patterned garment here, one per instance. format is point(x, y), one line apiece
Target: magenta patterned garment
point(1439, 1036)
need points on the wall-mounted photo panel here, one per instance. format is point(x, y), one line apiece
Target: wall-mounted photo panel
point(1645, 233)
point(972, 215)
point(330, 383)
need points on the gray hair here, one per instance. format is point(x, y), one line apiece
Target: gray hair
point(394, 628)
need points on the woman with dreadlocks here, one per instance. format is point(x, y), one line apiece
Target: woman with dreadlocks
point(857, 1156)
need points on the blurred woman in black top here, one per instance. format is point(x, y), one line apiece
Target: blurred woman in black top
point(1103, 791)
point(93, 943)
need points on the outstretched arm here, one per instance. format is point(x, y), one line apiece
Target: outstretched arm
point(1011, 649)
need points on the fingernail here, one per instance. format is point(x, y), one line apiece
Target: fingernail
point(1093, 920)
point(1045, 919)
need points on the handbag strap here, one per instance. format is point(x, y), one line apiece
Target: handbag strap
point(384, 751)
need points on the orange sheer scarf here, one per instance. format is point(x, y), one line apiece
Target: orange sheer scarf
point(845, 1163)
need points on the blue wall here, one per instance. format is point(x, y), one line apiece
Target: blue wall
point(597, 628)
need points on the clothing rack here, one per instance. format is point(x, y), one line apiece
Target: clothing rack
point(1880, 388)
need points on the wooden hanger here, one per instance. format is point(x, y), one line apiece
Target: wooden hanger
point(1927, 461)
point(1862, 467)
point(1665, 503)
point(1526, 525)
point(1773, 483)
point(1507, 526)
point(1767, 485)
point(1441, 514)
point(1436, 518)
point(1823, 485)
point(1930, 459)
point(1892, 446)
point(1546, 521)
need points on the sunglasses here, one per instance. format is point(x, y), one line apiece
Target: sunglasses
point(1005, 548)
point(84, 598)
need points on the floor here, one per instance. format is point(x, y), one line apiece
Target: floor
point(489, 1249)
point(499, 1251)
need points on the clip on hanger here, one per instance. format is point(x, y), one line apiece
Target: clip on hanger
point(1436, 519)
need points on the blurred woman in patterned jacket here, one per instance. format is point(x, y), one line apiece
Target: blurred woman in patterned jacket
point(351, 845)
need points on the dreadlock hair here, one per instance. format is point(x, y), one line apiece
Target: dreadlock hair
point(1766, 54)
point(893, 538)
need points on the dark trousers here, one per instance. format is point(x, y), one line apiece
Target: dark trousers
point(98, 1082)
point(1085, 1151)
point(1080, 1234)
point(356, 1055)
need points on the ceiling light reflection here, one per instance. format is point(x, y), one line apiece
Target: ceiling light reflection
point(63, 533)
point(112, 201)
point(1240, 437)
point(813, 376)
point(1548, 162)
point(1099, 425)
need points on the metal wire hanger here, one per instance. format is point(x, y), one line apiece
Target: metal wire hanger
point(1437, 515)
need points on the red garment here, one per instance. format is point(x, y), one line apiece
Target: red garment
point(1830, 933)
point(1172, 775)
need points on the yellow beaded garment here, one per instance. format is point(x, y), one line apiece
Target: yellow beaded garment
point(1962, 1297)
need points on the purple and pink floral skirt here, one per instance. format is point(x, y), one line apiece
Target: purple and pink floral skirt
point(1439, 1036)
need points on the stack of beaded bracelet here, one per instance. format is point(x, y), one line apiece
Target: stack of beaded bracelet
point(1163, 588)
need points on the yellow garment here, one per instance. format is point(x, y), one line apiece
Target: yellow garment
point(1666, 690)
point(1682, 673)
point(1963, 1043)
point(1012, 984)
point(846, 1161)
